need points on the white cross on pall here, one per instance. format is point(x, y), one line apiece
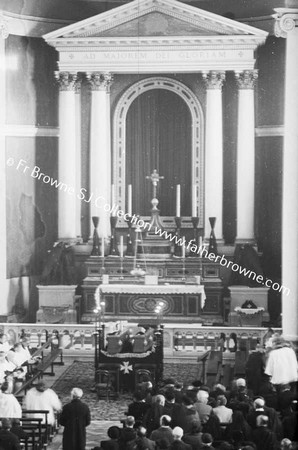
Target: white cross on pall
point(126, 367)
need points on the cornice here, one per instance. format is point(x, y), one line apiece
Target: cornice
point(247, 42)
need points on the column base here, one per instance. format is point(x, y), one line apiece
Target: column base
point(250, 241)
point(71, 241)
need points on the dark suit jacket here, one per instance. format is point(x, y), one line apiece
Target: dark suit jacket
point(9, 441)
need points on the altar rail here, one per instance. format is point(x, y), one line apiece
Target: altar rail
point(181, 337)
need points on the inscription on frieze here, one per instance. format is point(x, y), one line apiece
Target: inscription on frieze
point(158, 55)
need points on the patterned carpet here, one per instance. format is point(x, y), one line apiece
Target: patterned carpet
point(104, 414)
point(81, 374)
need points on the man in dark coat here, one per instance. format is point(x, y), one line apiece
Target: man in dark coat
point(8, 440)
point(75, 417)
point(264, 438)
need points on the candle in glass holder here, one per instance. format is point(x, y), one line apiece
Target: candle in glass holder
point(178, 204)
point(129, 199)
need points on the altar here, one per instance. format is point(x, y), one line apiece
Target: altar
point(177, 301)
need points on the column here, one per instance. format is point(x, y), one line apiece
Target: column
point(214, 152)
point(100, 151)
point(246, 156)
point(78, 158)
point(67, 195)
point(287, 27)
point(4, 283)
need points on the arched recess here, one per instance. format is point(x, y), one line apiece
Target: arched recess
point(119, 136)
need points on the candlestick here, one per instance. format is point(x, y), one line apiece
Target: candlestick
point(129, 246)
point(121, 246)
point(113, 243)
point(178, 204)
point(194, 201)
point(95, 248)
point(129, 199)
point(177, 248)
point(183, 247)
point(102, 247)
point(113, 200)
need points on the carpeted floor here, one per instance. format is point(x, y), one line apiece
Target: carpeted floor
point(81, 374)
point(104, 414)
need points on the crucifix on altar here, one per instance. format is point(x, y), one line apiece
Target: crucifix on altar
point(155, 220)
point(155, 178)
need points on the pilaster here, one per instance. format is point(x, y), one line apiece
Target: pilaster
point(286, 26)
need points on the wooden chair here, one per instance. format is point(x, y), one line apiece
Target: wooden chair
point(105, 388)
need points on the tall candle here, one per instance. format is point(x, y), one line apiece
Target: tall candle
point(200, 242)
point(102, 247)
point(129, 199)
point(183, 247)
point(194, 201)
point(121, 246)
point(178, 204)
point(113, 199)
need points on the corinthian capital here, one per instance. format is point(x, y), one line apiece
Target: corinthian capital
point(100, 81)
point(3, 28)
point(67, 81)
point(246, 79)
point(214, 79)
point(285, 21)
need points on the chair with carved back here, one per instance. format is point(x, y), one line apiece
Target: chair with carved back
point(107, 385)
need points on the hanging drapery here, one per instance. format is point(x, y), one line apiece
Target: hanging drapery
point(158, 136)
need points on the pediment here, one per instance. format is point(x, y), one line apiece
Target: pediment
point(154, 18)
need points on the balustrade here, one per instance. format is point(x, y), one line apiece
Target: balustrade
point(177, 338)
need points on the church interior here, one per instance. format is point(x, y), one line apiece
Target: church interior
point(149, 178)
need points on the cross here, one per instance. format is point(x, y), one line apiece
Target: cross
point(154, 177)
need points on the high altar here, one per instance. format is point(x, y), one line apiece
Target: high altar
point(155, 280)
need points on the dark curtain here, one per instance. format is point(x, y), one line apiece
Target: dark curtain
point(159, 136)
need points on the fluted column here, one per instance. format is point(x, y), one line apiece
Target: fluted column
point(214, 152)
point(246, 156)
point(67, 198)
point(100, 150)
point(287, 27)
point(78, 158)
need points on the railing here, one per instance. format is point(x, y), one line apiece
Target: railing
point(177, 337)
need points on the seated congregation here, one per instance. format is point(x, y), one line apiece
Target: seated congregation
point(258, 412)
